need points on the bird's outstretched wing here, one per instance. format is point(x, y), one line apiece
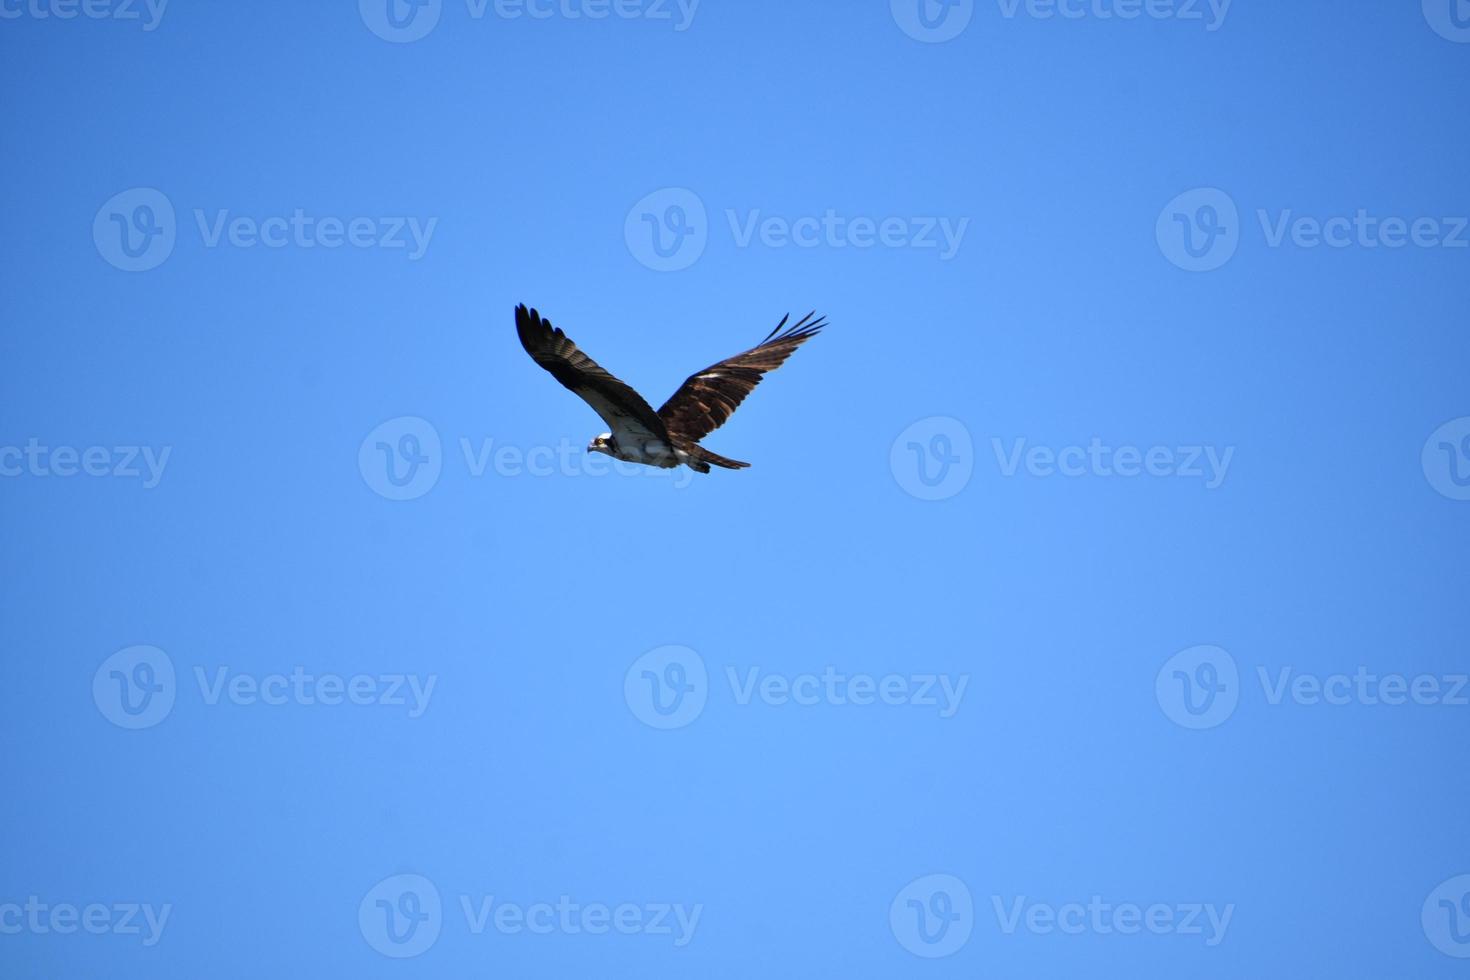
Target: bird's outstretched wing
point(707, 399)
point(622, 408)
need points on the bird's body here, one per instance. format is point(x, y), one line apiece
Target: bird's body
point(669, 437)
point(649, 452)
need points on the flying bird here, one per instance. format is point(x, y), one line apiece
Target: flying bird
point(670, 436)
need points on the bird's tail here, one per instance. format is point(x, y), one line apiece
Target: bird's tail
point(698, 454)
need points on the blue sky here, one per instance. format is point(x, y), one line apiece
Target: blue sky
point(1094, 603)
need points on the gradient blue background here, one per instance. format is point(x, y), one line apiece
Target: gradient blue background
point(529, 777)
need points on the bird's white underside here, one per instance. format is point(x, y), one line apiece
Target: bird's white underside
point(638, 446)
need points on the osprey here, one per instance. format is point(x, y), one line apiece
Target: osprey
point(671, 435)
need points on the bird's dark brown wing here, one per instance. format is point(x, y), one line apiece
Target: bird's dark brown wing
point(707, 399)
point(622, 408)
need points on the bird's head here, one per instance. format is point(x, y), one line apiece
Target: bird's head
point(601, 444)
